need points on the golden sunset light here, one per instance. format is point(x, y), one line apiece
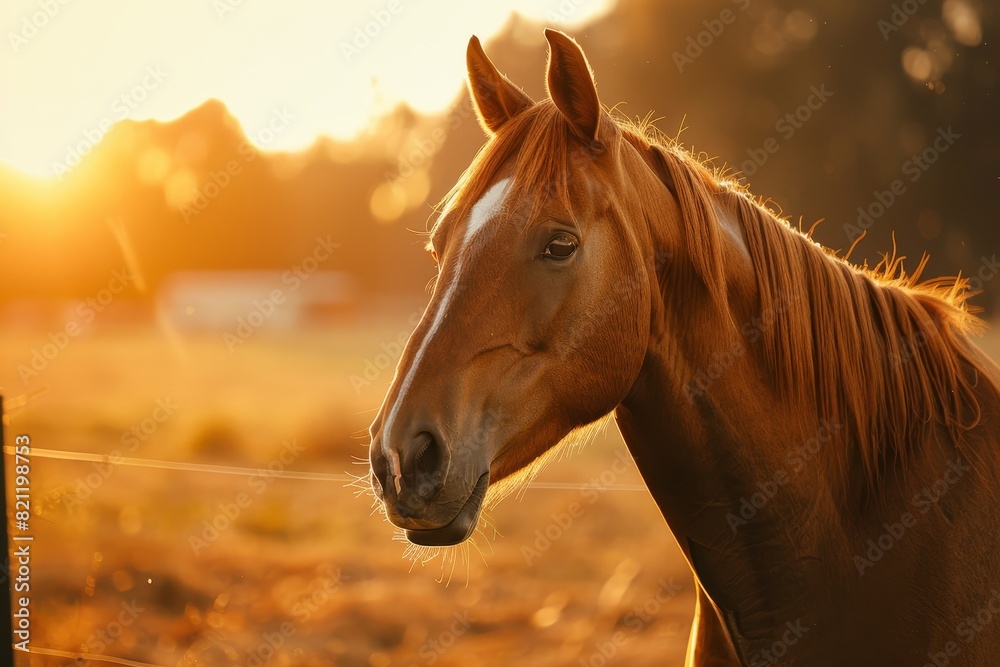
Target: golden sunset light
point(71, 72)
point(517, 333)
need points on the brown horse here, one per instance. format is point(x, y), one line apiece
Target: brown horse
point(823, 440)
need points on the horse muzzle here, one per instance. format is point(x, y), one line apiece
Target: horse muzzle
point(422, 508)
point(459, 528)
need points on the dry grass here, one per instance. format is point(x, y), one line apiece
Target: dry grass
point(304, 567)
point(307, 554)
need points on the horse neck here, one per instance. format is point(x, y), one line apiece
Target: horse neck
point(703, 448)
point(764, 495)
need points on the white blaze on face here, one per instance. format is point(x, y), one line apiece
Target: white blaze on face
point(483, 211)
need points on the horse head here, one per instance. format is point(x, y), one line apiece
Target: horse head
point(540, 315)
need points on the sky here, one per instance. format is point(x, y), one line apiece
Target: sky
point(72, 69)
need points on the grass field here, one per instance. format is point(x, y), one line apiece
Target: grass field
point(196, 567)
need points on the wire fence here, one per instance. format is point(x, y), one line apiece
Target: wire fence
point(344, 479)
point(217, 469)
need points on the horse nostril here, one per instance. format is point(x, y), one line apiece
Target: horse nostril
point(378, 474)
point(428, 466)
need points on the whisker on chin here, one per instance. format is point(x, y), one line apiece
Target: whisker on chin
point(450, 556)
point(485, 521)
point(486, 532)
point(472, 541)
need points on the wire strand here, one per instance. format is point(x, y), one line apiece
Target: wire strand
point(188, 466)
point(217, 469)
point(88, 657)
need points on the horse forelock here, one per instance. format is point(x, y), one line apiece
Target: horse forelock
point(536, 150)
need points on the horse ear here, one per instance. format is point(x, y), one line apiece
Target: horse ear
point(496, 99)
point(571, 86)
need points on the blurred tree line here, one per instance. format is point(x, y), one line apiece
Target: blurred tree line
point(878, 117)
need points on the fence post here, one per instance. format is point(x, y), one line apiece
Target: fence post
point(6, 611)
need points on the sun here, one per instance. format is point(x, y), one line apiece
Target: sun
point(75, 70)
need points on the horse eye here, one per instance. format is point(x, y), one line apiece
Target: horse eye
point(561, 247)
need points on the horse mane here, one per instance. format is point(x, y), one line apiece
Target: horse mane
point(875, 350)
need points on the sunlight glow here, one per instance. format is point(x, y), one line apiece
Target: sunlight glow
point(73, 70)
